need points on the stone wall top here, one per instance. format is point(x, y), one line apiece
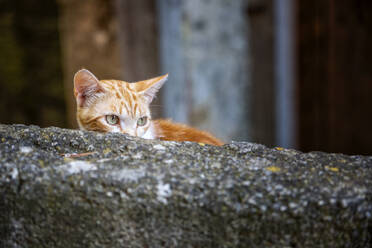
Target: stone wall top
point(71, 188)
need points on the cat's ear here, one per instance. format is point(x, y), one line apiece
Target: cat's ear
point(148, 88)
point(86, 87)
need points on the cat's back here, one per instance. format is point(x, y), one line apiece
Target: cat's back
point(167, 130)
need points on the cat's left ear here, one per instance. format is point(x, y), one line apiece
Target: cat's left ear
point(148, 88)
point(86, 87)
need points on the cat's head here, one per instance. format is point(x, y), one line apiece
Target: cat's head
point(113, 105)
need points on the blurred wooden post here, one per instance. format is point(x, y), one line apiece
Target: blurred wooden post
point(261, 14)
point(89, 40)
point(335, 76)
point(115, 39)
point(138, 39)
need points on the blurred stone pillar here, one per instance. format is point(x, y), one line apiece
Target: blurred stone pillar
point(204, 47)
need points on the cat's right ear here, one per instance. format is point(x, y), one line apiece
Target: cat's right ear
point(149, 87)
point(86, 87)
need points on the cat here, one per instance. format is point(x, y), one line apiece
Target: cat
point(119, 106)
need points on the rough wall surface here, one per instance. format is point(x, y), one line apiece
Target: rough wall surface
point(120, 191)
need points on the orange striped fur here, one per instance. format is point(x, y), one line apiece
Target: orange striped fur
point(118, 106)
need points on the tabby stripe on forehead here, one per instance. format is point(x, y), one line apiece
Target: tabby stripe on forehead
point(134, 95)
point(123, 103)
point(133, 104)
point(129, 99)
point(135, 107)
point(118, 87)
point(126, 101)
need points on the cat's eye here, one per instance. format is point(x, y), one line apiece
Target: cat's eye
point(112, 119)
point(142, 121)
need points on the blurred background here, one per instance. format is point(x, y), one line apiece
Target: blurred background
point(291, 73)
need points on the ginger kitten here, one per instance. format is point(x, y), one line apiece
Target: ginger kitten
point(118, 106)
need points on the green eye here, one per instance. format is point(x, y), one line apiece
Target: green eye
point(142, 121)
point(112, 119)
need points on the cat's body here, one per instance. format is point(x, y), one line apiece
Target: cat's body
point(118, 106)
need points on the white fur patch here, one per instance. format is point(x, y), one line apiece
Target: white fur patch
point(150, 134)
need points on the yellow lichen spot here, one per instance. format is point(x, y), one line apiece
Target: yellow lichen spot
point(3, 140)
point(273, 168)
point(343, 161)
point(107, 150)
point(201, 144)
point(50, 190)
point(66, 159)
point(41, 162)
point(334, 169)
point(279, 148)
